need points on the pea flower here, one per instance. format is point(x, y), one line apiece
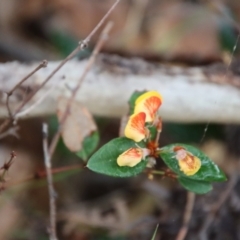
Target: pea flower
point(132, 157)
point(188, 163)
point(145, 110)
point(148, 103)
point(135, 128)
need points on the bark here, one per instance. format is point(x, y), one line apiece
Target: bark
point(190, 94)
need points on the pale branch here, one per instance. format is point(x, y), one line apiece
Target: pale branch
point(187, 216)
point(41, 65)
point(51, 191)
point(190, 94)
point(102, 39)
point(81, 45)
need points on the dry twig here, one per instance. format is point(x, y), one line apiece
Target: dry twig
point(42, 174)
point(82, 45)
point(103, 37)
point(187, 216)
point(217, 206)
point(5, 169)
point(52, 194)
point(11, 131)
point(9, 94)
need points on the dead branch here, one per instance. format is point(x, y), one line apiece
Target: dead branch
point(82, 45)
point(13, 131)
point(52, 194)
point(4, 169)
point(191, 94)
point(103, 37)
point(211, 217)
point(9, 94)
point(187, 216)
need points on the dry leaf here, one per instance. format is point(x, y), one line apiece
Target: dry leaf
point(78, 124)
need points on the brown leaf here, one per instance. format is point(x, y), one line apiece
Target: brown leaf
point(78, 124)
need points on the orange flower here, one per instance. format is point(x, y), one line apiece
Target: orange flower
point(135, 128)
point(148, 103)
point(132, 157)
point(188, 163)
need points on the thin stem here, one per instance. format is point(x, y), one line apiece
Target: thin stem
point(54, 141)
point(187, 216)
point(42, 174)
point(43, 64)
point(5, 124)
point(222, 198)
point(159, 130)
point(52, 194)
point(31, 95)
point(35, 104)
point(103, 37)
point(11, 131)
point(5, 169)
point(82, 45)
point(158, 172)
point(88, 38)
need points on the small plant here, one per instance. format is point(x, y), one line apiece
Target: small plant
point(139, 150)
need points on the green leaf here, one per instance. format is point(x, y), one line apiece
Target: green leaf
point(199, 187)
point(133, 99)
point(89, 145)
point(104, 161)
point(208, 172)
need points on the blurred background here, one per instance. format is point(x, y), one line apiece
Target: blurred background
point(92, 206)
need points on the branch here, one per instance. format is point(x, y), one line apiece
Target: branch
point(191, 94)
point(9, 94)
point(81, 45)
point(187, 216)
point(103, 37)
point(218, 204)
point(52, 194)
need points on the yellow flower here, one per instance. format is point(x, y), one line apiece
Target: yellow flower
point(148, 103)
point(135, 128)
point(132, 156)
point(188, 163)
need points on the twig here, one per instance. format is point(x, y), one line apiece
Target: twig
point(43, 64)
point(52, 194)
point(103, 37)
point(82, 45)
point(11, 131)
point(159, 130)
point(88, 38)
point(187, 216)
point(5, 169)
point(217, 205)
point(42, 174)
point(11, 115)
point(35, 104)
